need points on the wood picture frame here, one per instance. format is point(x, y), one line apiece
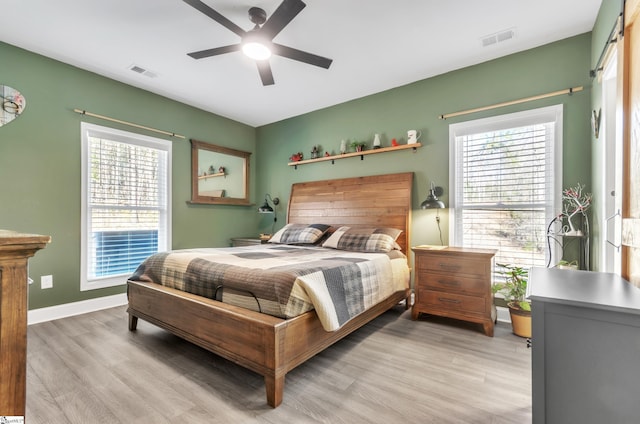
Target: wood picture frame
point(219, 175)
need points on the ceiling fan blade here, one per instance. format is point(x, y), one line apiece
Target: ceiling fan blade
point(279, 19)
point(264, 69)
point(301, 56)
point(197, 4)
point(215, 51)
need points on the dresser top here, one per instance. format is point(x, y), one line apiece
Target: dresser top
point(434, 248)
point(597, 290)
point(10, 239)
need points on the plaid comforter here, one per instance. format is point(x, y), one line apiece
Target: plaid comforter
point(283, 280)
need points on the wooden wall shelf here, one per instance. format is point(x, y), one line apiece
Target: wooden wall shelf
point(356, 154)
point(217, 174)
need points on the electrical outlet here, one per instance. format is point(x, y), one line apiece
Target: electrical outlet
point(46, 281)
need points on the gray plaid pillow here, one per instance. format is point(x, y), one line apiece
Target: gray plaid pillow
point(299, 234)
point(364, 239)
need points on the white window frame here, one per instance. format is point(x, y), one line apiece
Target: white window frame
point(164, 240)
point(495, 123)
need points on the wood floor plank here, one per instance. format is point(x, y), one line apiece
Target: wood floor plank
point(91, 369)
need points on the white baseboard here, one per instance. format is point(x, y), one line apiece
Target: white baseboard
point(50, 313)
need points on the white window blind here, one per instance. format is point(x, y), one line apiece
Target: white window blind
point(126, 193)
point(505, 183)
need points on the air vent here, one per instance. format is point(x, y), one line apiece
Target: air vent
point(139, 70)
point(498, 37)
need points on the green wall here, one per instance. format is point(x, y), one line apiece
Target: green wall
point(553, 67)
point(40, 151)
point(40, 164)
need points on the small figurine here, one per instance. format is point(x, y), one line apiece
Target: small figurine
point(315, 152)
point(343, 147)
point(212, 170)
point(327, 154)
point(394, 142)
point(221, 170)
point(296, 157)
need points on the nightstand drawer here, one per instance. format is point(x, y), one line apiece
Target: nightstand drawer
point(451, 302)
point(441, 263)
point(452, 282)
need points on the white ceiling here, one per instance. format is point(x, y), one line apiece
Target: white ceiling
point(375, 45)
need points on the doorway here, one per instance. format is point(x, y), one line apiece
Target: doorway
point(611, 153)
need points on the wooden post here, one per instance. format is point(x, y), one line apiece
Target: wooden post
point(15, 249)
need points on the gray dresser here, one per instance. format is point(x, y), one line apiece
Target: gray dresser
point(586, 347)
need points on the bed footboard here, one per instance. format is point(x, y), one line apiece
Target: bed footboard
point(267, 345)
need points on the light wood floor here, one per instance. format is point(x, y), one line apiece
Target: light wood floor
point(91, 369)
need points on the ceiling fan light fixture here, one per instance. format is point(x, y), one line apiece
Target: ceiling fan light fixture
point(256, 50)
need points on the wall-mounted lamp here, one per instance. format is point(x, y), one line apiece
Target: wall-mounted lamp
point(432, 202)
point(266, 208)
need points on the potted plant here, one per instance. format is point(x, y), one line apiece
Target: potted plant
point(567, 265)
point(358, 146)
point(514, 290)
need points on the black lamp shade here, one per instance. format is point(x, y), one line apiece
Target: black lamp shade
point(432, 201)
point(265, 208)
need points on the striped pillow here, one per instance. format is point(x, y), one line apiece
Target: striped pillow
point(364, 239)
point(299, 234)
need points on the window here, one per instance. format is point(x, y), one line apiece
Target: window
point(126, 193)
point(506, 183)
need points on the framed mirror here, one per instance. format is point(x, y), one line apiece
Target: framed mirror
point(219, 175)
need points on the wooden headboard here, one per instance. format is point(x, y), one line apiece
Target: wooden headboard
point(374, 201)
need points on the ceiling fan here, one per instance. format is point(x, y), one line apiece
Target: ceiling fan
point(257, 43)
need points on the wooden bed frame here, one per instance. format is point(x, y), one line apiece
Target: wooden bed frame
point(268, 345)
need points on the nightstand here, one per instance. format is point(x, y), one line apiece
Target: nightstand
point(247, 241)
point(455, 282)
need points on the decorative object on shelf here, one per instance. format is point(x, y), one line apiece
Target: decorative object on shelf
point(361, 155)
point(343, 147)
point(574, 202)
point(376, 141)
point(514, 290)
point(296, 157)
point(315, 152)
point(413, 136)
point(595, 122)
point(13, 104)
point(266, 208)
point(212, 170)
point(326, 154)
point(358, 146)
point(432, 202)
point(222, 170)
point(394, 142)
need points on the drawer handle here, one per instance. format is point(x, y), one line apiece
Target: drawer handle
point(449, 283)
point(448, 267)
point(446, 300)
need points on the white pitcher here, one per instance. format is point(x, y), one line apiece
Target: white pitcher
point(413, 136)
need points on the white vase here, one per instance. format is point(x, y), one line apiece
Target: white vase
point(376, 141)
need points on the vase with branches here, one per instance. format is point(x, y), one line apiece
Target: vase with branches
point(574, 201)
